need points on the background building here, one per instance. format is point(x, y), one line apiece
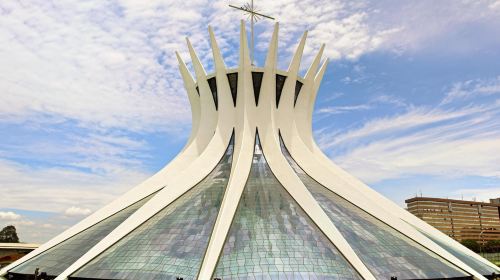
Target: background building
point(459, 219)
point(10, 252)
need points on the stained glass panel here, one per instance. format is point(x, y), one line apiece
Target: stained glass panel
point(271, 237)
point(173, 242)
point(58, 258)
point(385, 251)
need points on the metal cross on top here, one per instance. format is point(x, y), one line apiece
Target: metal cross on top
point(250, 10)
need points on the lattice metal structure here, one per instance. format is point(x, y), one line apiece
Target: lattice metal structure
point(251, 196)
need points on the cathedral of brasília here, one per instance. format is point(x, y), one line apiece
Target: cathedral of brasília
point(251, 196)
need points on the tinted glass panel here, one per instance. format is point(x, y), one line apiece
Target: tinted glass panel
point(280, 82)
point(212, 83)
point(58, 258)
point(271, 237)
point(257, 82)
point(385, 251)
point(233, 84)
point(173, 242)
point(298, 86)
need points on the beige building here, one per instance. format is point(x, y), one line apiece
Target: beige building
point(10, 252)
point(459, 219)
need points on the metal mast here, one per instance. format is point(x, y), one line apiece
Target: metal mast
point(250, 10)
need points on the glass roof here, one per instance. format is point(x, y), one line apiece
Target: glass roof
point(173, 242)
point(385, 251)
point(56, 259)
point(470, 261)
point(271, 237)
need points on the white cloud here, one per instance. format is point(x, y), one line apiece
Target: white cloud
point(424, 154)
point(414, 117)
point(39, 230)
point(113, 64)
point(59, 188)
point(480, 194)
point(333, 110)
point(77, 211)
point(420, 24)
point(341, 25)
point(495, 5)
point(86, 62)
point(9, 216)
point(441, 141)
point(373, 104)
point(472, 89)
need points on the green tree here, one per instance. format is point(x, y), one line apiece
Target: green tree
point(492, 246)
point(471, 244)
point(9, 235)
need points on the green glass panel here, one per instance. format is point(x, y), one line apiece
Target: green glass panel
point(173, 242)
point(385, 251)
point(271, 237)
point(56, 259)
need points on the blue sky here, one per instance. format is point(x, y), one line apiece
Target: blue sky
point(91, 102)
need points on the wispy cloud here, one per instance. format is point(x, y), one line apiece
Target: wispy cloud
point(373, 104)
point(60, 188)
point(66, 194)
point(66, 173)
point(421, 141)
point(480, 194)
point(342, 109)
point(112, 64)
point(89, 62)
point(417, 23)
point(473, 89)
